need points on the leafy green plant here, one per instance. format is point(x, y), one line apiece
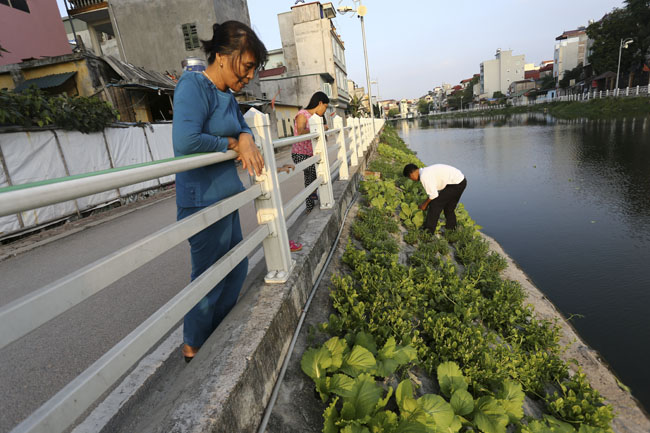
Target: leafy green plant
point(33, 107)
point(411, 215)
point(466, 325)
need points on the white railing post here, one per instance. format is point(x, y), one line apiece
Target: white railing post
point(352, 135)
point(343, 152)
point(269, 206)
point(637, 90)
point(325, 192)
point(357, 123)
point(366, 134)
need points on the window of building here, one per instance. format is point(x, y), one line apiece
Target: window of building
point(16, 4)
point(191, 36)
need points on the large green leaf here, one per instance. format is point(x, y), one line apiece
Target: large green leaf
point(558, 426)
point(330, 416)
point(384, 401)
point(511, 398)
point(404, 391)
point(358, 361)
point(405, 354)
point(438, 412)
point(353, 428)
point(462, 402)
point(384, 422)
point(386, 367)
point(367, 341)
point(489, 416)
point(450, 378)
point(337, 347)
point(341, 384)
point(315, 362)
point(364, 396)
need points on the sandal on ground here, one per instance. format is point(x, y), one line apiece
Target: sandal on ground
point(295, 246)
point(189, 352)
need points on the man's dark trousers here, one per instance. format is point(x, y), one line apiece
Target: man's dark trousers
point(446, 201)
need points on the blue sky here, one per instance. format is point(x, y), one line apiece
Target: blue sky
point(415, 45)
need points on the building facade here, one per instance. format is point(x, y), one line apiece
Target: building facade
point(159, 35)
point(31, 30)
point(570, 51)
point(313, 57)
point(497, 74)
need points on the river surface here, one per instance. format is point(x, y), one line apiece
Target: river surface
point(569, 201)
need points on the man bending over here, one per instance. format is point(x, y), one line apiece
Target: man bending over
point(444, 185)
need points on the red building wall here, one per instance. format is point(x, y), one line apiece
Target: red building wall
point(37, 33)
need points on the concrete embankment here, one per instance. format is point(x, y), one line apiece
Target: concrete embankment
point(227, 386)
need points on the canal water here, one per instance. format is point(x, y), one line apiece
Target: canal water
point(569, 201)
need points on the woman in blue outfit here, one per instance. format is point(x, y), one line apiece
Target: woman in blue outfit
point(207, 119)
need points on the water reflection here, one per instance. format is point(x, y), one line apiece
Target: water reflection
point(570, 201)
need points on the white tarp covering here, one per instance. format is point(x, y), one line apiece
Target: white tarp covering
point(86, 153)
point(9, 223)
point(31, 157)
point(128, 146)
point(160, 142)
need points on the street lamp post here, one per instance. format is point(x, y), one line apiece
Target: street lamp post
point(361, 11)
point(461, 103)
point(624, 44)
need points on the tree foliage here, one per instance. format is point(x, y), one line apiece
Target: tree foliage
point(35, 108)
point(632, 21)
point(423, 106)
point(393, 112)
point(354, 107)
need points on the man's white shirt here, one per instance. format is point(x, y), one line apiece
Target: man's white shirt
point(436, 177)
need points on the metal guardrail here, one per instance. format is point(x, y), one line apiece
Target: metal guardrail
point(37, 308)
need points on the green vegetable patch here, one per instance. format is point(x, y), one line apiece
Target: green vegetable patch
point(413, 308)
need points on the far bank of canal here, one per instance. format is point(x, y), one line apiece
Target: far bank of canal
point(569, 201)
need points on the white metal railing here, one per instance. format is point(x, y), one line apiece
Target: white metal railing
point(37, 308)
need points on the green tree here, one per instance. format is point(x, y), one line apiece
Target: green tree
point(576, 74)
point(548, 82)
point(632, 21)
point(354, 107)
point(423, 106)
point(393, 112)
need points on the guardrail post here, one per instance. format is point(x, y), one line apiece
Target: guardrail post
point(325, 192)
point(359, 137)
point(269, 206)
point(366, 134)
point(352, 135)
point(343, 152)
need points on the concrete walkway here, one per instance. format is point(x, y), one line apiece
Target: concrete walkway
point(38, 365)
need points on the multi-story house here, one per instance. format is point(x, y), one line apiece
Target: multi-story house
point(571, 50)
point(158, 35)
point(314, 58)
point(45, 36)
point(497, 74)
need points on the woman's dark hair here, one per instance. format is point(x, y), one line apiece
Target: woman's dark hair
point(408, 169)
point(316, 98)
point(233, 37)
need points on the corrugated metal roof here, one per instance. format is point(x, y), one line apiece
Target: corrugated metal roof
point(46, 82)
point(136, 76)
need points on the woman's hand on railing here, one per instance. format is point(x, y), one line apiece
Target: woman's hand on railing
point(249, 154)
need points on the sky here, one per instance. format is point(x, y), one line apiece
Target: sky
point(416, 45)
